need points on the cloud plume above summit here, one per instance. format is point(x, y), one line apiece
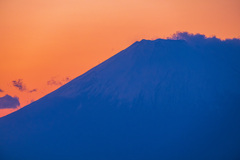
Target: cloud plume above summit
point(200, 38)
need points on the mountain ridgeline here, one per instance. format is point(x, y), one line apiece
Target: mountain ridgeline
point(162, 99)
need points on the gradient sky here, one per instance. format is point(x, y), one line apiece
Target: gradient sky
point(45, 43)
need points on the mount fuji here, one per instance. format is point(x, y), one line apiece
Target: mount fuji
point(162, 99)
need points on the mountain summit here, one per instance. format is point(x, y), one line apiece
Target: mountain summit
point(162, 99)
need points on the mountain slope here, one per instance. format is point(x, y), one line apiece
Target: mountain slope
point(162, 99)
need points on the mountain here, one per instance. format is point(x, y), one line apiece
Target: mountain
point(162, 99)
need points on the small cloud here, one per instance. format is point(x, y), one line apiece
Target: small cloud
point(1, 90)
point(19, 84)
point(9, 102)
point(67, 79)
point(22, 87)
point(33, 90)
point(53, 81)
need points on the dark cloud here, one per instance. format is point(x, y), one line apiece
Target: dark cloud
point(53, 81)
point(33, 90)
point(67, 79)
point(1, 90)
point(22, 87)
point(19, 84)
point(9, 102)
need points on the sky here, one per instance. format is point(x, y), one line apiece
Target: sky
point(46, 43)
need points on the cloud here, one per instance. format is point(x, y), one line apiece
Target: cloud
point(22, 87)
point(33, 90)
point(67, 79)
point(1, 90)
point(202, 40)
point(194, 38)
point(53, 81)
point(19, 84)
point(9, 102)
point(187, 36)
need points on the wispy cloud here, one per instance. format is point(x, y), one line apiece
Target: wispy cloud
point(1, 90)
point(53, 81)
point(21, 86)
point(33, 90)
point(9, 102)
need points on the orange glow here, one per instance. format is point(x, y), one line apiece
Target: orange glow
point(46, 39)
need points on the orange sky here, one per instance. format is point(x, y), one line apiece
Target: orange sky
point(55, 39)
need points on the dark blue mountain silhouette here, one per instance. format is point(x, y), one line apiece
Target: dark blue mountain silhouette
point(161, 99)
